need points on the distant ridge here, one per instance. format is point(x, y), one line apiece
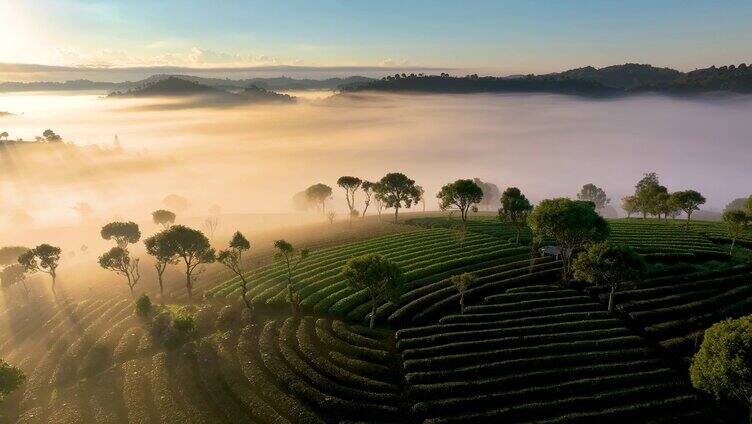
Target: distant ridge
point(588, 81)
point(170, 86)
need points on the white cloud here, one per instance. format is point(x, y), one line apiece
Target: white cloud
point(389, 62)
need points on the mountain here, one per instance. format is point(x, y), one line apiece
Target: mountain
point(627, 76)
point(57, 86)
point(170, 86)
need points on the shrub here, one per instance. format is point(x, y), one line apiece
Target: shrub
point(143, 305)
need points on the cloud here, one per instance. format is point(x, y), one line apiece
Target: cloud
point(389, 62)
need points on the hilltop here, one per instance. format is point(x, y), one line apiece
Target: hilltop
point(179, 87)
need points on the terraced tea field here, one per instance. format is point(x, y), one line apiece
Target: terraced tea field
point(525, 350)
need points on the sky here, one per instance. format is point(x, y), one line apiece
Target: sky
point(489, 37)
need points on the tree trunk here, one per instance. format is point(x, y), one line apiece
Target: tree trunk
point(161, 287)
point(373, 310)
point(518, 235)
point(189, 286)
point(462, 303)
point(365, 209)
point(689, 218)
point(54, 277)
point(396, 210)
point(293, 309)
point(611, 300)
point(733, 241)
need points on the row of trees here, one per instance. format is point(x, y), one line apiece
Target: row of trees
point(652, 198)
point(48, 136)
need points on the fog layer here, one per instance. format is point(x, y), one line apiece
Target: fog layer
point(253, 159)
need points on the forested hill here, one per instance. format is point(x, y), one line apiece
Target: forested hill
point(613, 80)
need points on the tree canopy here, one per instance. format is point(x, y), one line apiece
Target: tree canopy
point(124, 233)
point(646, 194)
point(629, 204)
point(396, 190)
point(687, 201)
point(723, 365)
point(163, 255)
point(163, 217)
point(608, 263)
point(318, 194)
point(491, 193)
point(591, 193)
point(9, 254)
point(464, 194)
point(118, 260)
point(572, 223)
point(11, 378)
point(189, 245)
point(515, 209)
point(351, 185)
point(738, 222)
point(377, 274)
point(43, 258)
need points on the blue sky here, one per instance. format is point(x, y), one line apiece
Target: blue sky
point(492, 36)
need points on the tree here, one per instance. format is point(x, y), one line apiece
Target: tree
point(688, 201)
point(461, 283)
point(232, 258)
point(163, 217)
point(12, 275)
point(515, 209)
point(158, 248)
point(330, 216)
point(191, 246)
point(646, 193)
point(464, 194)
point(629, 204)
point(11, 378)
point(737, 222)
point(377, 274)
point(351, 185)
point(572, 223)
point(723, 365)
point(291, 258)
point(43, 258)
point(591, 193)
point(609, 264)
point(395, 190)
point(491, 193)
point(301, 202)
point(210, 225)
point(318, 194)
point(51, 137)
point(737, 204)
point(118, 260)
point(9, 254)
point(4, 135)
point(124, 233)
point(367, 188)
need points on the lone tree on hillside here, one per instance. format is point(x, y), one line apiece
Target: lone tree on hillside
point(367, 188)
point(377, 274)
point(51, 137)
point(318, 194)
point(351, 185)
point(13, 275)
point(232, 258)
point(291, 258)
point(491, 193)
point(4, 135)
point(11, 378)
point(629, 204)
point(572, 223)
point(723, 365)
point(119, 261)
point(163, 217)
point(189, 245)
point(9, 254)
point(163, 255)
point(688, 201)
point(515, 209)
point(591, 193)
point(646, 194)
point(395, 190)
point(464, 194)
point(461, 283)
point(609, 264)
point(43, 258)
point(737, 222)
point(124, 233)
